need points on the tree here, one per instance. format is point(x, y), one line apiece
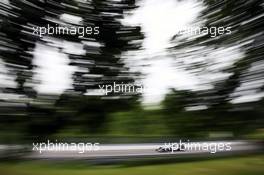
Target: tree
point(246, 21)
point(102, 62)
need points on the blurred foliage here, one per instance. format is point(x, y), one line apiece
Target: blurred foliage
point(41, 115)
point(27, 113)
point(246, 21)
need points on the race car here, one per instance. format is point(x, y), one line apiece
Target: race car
point(170, 148)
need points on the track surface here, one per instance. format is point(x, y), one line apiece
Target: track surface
point(137, 150)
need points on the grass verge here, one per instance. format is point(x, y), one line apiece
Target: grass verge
point(250, 165)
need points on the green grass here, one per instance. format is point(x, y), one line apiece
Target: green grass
point(251, 165)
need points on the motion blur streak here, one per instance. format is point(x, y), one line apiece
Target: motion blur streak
point(198, 87)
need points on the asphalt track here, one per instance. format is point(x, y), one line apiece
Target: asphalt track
point(130, 151)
